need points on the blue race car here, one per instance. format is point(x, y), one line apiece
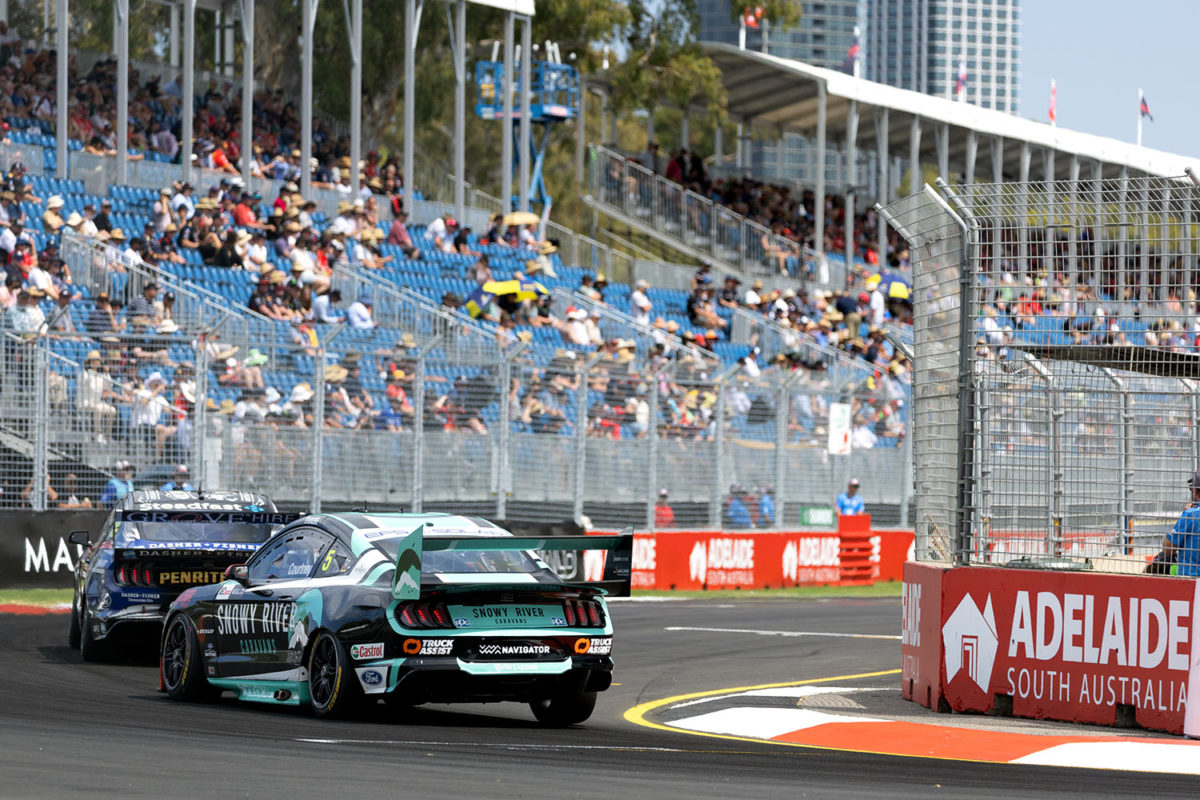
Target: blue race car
point(153, 546)
point(337, 610)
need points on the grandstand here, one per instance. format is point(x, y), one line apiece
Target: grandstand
point(569, 407)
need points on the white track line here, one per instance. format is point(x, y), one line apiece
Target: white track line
point(495, 745)
point(889, 637)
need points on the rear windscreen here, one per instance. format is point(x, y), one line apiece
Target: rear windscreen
point(470, 562)
point(229, 532)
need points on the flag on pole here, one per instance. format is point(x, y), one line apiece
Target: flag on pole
point(1144, 107)
point(752, 16)
point(851, 59)
point(960, 86)
point(1053, 101)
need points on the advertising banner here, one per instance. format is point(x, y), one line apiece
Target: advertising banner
point(695, 560)
point(920, 634)
point(34, 551)
point(1068, 646)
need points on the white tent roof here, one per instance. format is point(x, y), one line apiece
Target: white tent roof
point(776, 91)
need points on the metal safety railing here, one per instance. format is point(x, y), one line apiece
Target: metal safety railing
point(698, 225)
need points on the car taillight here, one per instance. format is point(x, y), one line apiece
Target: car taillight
point(583, 614)
point(425, 614)
point(134, 576)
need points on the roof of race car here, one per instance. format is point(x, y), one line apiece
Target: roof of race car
point(436, 524)
point(176, 500)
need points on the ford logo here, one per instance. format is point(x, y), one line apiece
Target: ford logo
point(372, 677)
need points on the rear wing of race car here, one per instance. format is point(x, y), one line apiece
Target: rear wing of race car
point(618, 551)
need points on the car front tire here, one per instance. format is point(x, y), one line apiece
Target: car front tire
point(332, 687)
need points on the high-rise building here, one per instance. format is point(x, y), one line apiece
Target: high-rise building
point(922, 44)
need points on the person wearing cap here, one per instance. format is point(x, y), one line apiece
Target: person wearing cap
point(118, 486)
point(736, 513)
point(664, 515)
point(146, 414)
point(146, 305)
point(179, 481)
point(1181, 547)
point(359, 315)
point(27, 317)
point(849, 503)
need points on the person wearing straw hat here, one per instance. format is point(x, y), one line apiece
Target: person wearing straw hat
point(52, 219)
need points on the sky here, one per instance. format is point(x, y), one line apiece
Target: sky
point(1101, 52)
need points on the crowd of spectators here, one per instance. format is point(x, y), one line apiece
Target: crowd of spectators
point(28, 99)
point(786, 213)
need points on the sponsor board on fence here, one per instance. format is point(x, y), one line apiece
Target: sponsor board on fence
point(1056, 645)
point(693, 560)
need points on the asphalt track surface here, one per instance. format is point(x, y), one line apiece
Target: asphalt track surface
point(69, 729)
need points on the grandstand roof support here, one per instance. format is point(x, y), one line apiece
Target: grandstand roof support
point(526, 110)
point(247, 18)
point(173, 35)
point(882, 123)
point(506, 141)
point(354, 24)
point(851, 175)
point(412, 27)
point(61, 89)
point(822, 168)
point(915, 178)
point(121, 13)
point(309, 20)
point(972, 154)
point(997, 144)
point(458, 51)
point(186, 144)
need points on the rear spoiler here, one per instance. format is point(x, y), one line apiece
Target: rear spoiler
point(214, 516)
point(617, 580)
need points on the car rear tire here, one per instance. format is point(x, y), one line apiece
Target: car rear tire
point(332, 687)
point(73, 629)
point(180, 663)
point(91, 648)
point(570, 704)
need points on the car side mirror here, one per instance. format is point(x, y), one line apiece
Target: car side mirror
point(238, 572)
point(80, 537)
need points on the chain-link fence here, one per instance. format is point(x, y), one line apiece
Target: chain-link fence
point(505, 432)
point(1057, 347)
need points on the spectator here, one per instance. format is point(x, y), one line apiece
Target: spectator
point(69, 498)
point(766, 507)
point(639, 304)
point(324, 308)
point(52, 221)
point(27, 317)
point(144, 309)
point(398, 235)
point(118, 486)
point(849, 503)
point(664, 515)
point(359, 314)
point(736, 513)
point(179, 482)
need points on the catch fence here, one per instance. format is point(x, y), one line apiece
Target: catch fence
point(1057, 369)
point(443, 421)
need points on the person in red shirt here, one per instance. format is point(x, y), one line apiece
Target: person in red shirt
point(243, 212)
point(664, 515)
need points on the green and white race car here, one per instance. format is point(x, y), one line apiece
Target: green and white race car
point(341, 609)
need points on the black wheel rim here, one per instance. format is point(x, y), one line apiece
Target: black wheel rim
point(174, 655)
point(322, 671)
